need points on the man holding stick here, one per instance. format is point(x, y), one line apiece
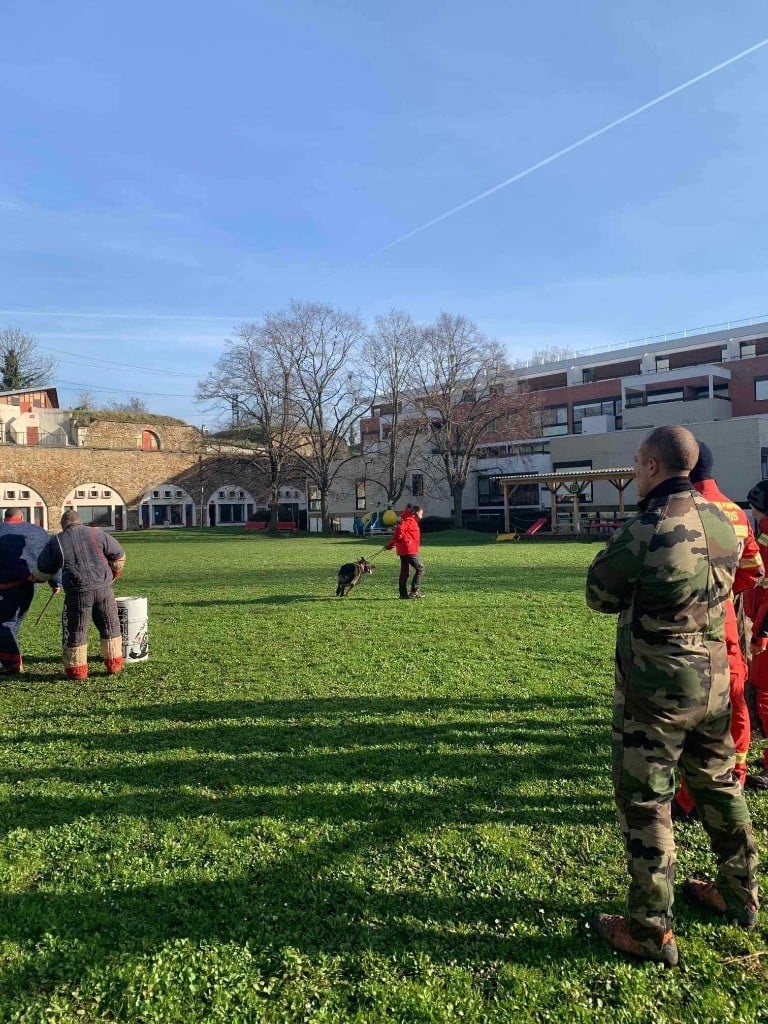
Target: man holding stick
point(89, 560)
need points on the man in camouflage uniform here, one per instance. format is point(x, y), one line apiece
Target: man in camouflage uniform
point(668, 573)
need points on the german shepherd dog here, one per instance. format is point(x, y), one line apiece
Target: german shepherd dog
point(349, 575)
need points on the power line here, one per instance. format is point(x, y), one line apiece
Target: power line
point(118, 391)
point(120, 316)
point(112, 362)
point(567, 149)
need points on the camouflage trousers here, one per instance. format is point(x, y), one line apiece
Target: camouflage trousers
point(653, 733)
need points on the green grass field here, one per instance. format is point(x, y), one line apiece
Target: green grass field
point(310, 809)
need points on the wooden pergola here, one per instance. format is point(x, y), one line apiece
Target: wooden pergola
point(574, 481)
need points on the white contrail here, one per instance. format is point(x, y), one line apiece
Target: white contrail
point(567, 149)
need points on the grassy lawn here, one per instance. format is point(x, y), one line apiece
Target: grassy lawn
point(310, 809)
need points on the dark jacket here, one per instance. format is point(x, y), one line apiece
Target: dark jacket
point(20, 545)
point(89, 558)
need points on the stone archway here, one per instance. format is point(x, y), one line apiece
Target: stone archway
point(18, 495)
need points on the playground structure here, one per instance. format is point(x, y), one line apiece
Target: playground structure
point(372, 523)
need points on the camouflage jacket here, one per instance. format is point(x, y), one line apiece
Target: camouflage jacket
point(668, 572)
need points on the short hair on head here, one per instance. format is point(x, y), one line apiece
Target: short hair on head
point(676, 449)
point(14, 513)
point(70, 518)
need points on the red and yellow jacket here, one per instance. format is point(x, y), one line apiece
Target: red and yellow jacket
point(757, 605)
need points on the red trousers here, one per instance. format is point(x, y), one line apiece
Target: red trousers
point(740, 726)
point(759, 679)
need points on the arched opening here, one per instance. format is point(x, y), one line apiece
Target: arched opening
point(230, 506)
point(33, 508)
point(167, 505)
point(97, 505)
point(149, 442)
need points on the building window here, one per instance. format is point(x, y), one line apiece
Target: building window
point(468, 395)
point(747, 349)
point(489, 491)
point(672, 395)
point(554, 421)
point(662, 364)
point(96, 515)
point(313, 496)
point(496, 390)
point(761, 389)
point(588, 375)
point(360, 495)
point(231, 512)
point(417, 485)
point(604, 407)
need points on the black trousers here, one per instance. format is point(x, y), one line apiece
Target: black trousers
point(408, 562)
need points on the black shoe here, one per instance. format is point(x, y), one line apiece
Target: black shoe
point(757, 781)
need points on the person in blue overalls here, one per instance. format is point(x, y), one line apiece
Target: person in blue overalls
point(20, 545)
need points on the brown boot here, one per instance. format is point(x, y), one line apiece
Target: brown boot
point(615, 930)
point(706, 894)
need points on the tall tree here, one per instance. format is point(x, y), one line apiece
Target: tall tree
point(254, 375)
point(21, 365)
point(391, 353)
point(329, 391)
point(469, 397)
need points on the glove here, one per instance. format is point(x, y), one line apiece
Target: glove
point(54, 586)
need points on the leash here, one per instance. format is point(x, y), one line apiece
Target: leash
point(45, 606)
point(373, 558)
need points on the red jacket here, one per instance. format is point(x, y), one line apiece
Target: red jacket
point(406, 535)
point(749, 571)
point(756, 606)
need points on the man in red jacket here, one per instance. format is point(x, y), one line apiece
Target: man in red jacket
point(749, 573)
point(406, 538)
point(757, 609)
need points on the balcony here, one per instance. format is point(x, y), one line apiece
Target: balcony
point(692, 394)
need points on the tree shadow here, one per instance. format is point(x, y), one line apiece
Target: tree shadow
point(366, 774)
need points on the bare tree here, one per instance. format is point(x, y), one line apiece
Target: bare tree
point(328, 392)
point(470, 396)
point(131, 404)
point(391, 352)
point(21, 366)
point(85, 401)
point(254, 376)
point(547, 354)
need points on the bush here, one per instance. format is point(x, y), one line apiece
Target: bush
point(489, 524)
point(434, 524)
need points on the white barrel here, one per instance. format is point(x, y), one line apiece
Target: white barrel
point(134, 627)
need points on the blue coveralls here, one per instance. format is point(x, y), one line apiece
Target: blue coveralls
point(20, 545)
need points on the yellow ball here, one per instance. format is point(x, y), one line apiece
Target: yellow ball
point(389, 518)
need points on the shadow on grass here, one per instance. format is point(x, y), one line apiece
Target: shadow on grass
point(366, 775)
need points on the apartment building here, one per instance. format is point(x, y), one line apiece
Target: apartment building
point(592, 409)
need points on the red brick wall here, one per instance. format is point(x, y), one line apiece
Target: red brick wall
point(742, 389)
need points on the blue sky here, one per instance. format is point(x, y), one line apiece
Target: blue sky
point(170, 168)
